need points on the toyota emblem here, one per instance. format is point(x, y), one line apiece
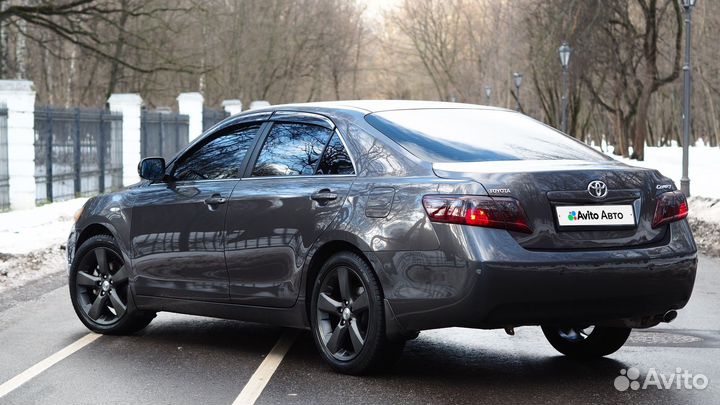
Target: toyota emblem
point(597, 189)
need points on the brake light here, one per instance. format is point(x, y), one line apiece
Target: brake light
point(671, 206)
point(498, 212)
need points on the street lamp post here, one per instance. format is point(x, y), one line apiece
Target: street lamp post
point(687, 88)
point(564, 52)
point(517, 77)
point(488, 92)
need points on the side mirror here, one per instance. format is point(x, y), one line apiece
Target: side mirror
point(152, 168)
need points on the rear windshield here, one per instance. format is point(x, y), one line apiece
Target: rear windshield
point(474, 135)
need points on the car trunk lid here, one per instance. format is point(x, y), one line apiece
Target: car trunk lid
point(547, 189)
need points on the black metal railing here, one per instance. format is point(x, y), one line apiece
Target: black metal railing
point(163, 134)
point(78, 152)
point(212, 117)
point(4, 174)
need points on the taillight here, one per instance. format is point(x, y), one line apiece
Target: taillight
point(497, 212)
point(671, 206)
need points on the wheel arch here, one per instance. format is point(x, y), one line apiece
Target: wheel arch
point(91, 230)
point(393, 329)
point(96, 226)
point(320, 256)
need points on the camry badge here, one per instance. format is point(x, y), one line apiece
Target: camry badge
point(597, 189)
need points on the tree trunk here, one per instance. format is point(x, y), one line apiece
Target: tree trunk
point(714, 127)
point(115, 68)
point(21, 51)
point(620, 148)
point(47, 66)
point(651, 136)
point(3, 44)
point(620, 135)
point(641, 119)
point(70, 80)
point(203, 62)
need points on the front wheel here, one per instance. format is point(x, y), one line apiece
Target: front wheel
point(347, 317)
point(100, 289)
point(586, 341)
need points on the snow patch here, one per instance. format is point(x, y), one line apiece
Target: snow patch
point(33, 242)
point(703, 169)
point(39, 228)
point(704, 209)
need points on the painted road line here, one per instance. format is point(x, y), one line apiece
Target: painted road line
point(255, 386)
point(20, 379)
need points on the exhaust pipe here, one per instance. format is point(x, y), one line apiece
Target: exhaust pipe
point(670, 315)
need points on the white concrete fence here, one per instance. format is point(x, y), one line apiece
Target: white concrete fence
point(19, 98)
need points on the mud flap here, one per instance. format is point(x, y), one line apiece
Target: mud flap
point(393, 329)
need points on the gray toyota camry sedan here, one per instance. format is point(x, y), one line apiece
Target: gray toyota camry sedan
point(369, 221)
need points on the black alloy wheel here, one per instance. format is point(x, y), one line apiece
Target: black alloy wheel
point(575, 333)
point(586, 341)
point(342, 313)
point(348, 318)
point(101, 286)
point(100, 289)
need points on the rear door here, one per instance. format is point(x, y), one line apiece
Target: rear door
point(297, 182)
point(178, 227)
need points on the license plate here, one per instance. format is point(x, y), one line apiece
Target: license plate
point(595, 215)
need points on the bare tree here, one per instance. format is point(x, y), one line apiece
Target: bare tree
point(435, 29)
point(623, 71)
point(631, 32)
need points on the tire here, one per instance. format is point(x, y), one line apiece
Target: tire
point(347, 317)
point(584, 342)
point(100, 289)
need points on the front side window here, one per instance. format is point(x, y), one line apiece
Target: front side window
point(335, 159)
point(291, 149)
point(221, 158)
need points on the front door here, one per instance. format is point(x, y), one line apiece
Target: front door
point(295, 188)
point(178, 227)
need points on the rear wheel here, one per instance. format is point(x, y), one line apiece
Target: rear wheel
point(100, 289)
point(586, 341)
point(347, 317)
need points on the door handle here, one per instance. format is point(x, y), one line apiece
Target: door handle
point(215, 199)
point(324, 195)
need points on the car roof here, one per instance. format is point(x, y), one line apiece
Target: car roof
point(373, 106)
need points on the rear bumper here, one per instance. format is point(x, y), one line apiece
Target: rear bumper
point(579, 293)
point(482, 278)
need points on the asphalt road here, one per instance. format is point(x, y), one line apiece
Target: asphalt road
point(185, 360)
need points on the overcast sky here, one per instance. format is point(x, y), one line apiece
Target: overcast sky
point(375, 7)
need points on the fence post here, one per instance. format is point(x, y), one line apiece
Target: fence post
point(191, 104)
point(232, 107)
point(161, 136)
point(76, 153)
point(255, 104)
point(143, 133)
point(19, 97)
point(48, 156)
point(177, 132)
point(128, 105)
point(101, 156)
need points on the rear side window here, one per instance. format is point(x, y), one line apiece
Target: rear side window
point(220, 158)
point(335, 159)
point(475, 135)
point(291, 149)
